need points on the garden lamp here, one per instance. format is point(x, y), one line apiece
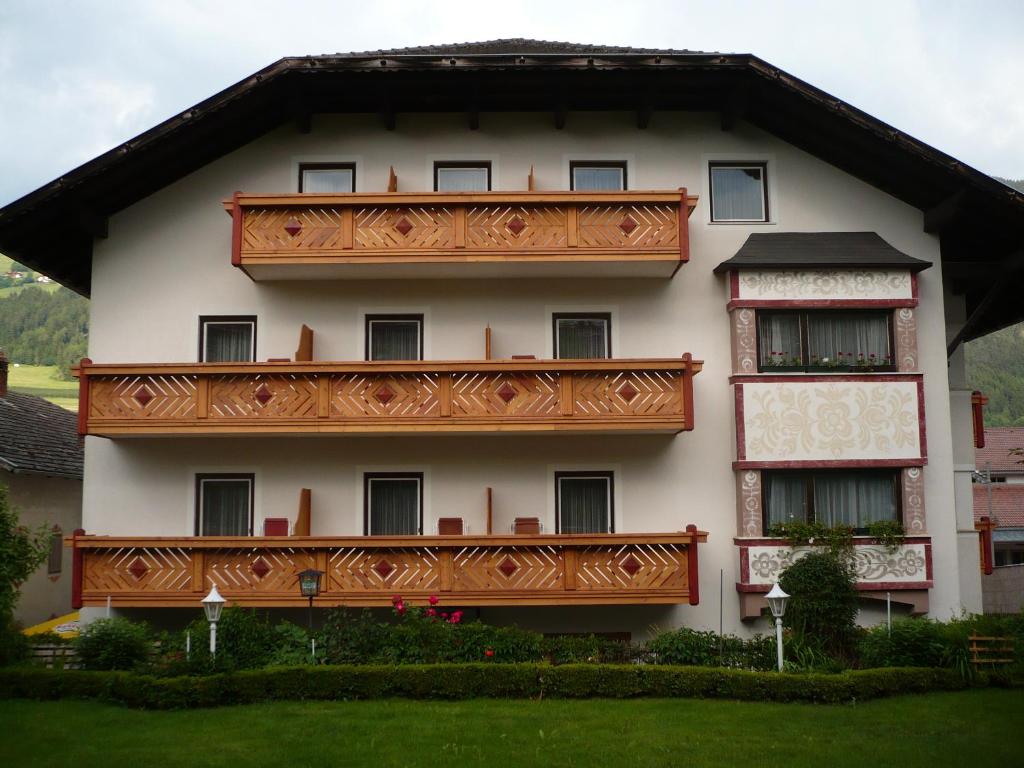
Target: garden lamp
point(213, 604)
point(309, 585)
point(777, 602)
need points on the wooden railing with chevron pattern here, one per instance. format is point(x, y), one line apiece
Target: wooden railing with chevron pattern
point(493, 396)
point(579, 569)
point(306, 236)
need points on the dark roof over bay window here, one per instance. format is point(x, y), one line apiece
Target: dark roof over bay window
point(808, 250)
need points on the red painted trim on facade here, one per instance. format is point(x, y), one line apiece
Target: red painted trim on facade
point(863, 586)
point(684, 226)
point(737, 465)
point(913, 286)
point(236, 232)
point(745, 564)
point(978, 402)
point(928, 562)
point(77, 574)
point(798, 378)
point(921, 425)
point(765, 541)
point(821, 303)
point(687, 381)
point(741, 433)
point(734, 287)
point(693, 566)
point(83, 396)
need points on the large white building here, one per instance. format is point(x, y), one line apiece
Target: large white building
point(557, 332)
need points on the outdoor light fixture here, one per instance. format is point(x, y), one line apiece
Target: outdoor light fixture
point(777, 602)
point(213, 604)
point(309, 585)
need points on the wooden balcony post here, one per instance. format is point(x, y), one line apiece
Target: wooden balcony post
point(444, 393)
point(686, 391)
point(692, 565)
point(347, 228)
point(684, 226)
point(566, 395)
point(203, 397)
point(77, 569)
point(569, 567)
point(460, 226)
point(83, 396)
point(198, 582)
point(323, 396)
point(236, 231)
point(572, 227)
point(444, 563)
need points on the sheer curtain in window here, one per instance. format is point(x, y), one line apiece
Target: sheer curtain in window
point(582, 338)
point(853, 499)
point(462, 179)
point(225, 507)
point(394, 506)
point(852, 335)
point(737, 194)
point(779, 339)
point(583, 505)
point(598, 179)
point(228, 343)
point(786, 498)
point(394, 340)
point(326, 180)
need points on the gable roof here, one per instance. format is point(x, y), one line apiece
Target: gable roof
point(999, 441)
point(785, 250)
point(980, 220)
point(38, 437)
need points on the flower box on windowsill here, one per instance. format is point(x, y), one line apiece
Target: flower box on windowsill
point(828, 368)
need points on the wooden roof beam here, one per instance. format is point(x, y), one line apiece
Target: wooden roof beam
point(942, 216)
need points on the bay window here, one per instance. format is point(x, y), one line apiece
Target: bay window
point(853, 498)
point(845, 339)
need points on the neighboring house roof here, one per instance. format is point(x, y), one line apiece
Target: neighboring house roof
point(1007, 503)
point(980, 220)
point(38, 437)
point(782, 250)
point(999, 441)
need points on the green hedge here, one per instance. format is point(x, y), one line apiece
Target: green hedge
point(465, 681)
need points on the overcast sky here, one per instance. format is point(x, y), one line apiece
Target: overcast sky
point(79, 76)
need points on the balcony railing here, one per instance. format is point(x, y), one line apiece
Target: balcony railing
point(579, 569)
point(477, 234)
point(494, 396)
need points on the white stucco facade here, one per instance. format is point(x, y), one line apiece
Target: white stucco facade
point(166, 262)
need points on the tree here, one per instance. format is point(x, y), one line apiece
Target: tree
point(823, 606)
point(21, 552)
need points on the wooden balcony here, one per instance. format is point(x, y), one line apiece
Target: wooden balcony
point(421, 397)
point(593, 569)
point(443, 235)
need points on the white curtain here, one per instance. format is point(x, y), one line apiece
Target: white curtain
point(786, 498)
point(856, 336)
point(394, 340)
point(327, 181)
point(779, 339)
point(597, 179)
point(225, 507)
point(394, 506)
point(462, 179)
point(583, 505)
point(737, 194)
point(582, 338)
point(228, 343)
point(853, 498)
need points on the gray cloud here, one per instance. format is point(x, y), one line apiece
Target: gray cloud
point(76, 78)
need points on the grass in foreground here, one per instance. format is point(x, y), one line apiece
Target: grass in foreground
point(976, 728)
point(42, 381)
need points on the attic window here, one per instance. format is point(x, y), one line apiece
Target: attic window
point(327, 178)
point(739, 192)
point(462, 177)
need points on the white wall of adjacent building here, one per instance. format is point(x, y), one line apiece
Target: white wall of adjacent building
point(167, 261)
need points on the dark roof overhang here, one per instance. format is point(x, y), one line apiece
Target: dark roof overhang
point(809, 250)
point(980, 220)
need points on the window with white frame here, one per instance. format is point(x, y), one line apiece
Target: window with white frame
point(832, 497)
point(583, 502)
point(393, 503)
point(227, 339)
point(597, 176)
point(394, 337)
point(582, 335)
point(224, 504)
point(828, 338)
point(739, 192)
point(327, 178)
point(462, 177)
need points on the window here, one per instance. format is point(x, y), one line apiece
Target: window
point(327, 178)
point(582, 336)
point(462, 177)
point(739, 192)
point(394, 337)
point(583, 502)
point(393, 503)
point(585, 175)
point(825, 339)
point(55, 561)
point(855, 498)
point(227, 339)
point(224, 505)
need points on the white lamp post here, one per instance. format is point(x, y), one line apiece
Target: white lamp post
point(777, 602)
point(213, 604)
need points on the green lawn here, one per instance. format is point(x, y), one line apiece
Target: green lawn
point(976, 728)
point(42, 381)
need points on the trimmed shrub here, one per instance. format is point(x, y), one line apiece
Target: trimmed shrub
point(15, 648)
point(823, 606)
point(708, 649)
point(115, 643)
point(466, 681)
point(586, 649)
point(912, 643)
point(246, 639)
